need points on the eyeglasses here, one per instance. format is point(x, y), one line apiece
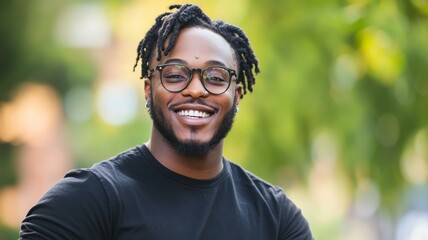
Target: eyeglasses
point(176, 77)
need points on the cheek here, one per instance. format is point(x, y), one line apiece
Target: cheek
point(159, 94)
point(228, 99)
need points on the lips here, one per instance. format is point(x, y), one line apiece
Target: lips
point(194, 110)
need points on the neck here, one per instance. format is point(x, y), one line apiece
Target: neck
point(206, 166)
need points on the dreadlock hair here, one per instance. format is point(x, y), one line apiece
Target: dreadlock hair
point(169, 24)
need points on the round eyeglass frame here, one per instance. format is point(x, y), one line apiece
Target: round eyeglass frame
point(191, 71)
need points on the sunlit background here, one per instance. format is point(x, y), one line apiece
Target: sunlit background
point(338, 117)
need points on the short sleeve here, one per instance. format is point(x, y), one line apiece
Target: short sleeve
point(77, 207)
point(293, 224)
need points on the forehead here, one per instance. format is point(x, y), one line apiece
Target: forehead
point(197, 46)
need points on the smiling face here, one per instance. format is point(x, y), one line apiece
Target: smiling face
point(191, 121)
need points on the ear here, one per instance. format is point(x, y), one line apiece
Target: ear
point(238, 93)
point(147, 88)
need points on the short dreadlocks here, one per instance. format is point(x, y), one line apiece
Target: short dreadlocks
point(169, 24)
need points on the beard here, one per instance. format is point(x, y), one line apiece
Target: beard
point(191, 147)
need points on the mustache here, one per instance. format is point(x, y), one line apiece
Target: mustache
point(193, 101)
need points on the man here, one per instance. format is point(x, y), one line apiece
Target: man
point(178, 185)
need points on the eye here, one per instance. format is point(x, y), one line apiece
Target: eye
point(174, 77)
point(174, 74)
point(216, 76)
point(215, 81)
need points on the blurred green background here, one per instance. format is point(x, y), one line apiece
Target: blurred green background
point(338, 117)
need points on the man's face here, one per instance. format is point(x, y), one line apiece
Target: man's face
point(212, 114)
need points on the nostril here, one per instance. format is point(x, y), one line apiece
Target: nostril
point(195, 89)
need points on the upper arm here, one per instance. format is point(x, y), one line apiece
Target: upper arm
point(77, 207)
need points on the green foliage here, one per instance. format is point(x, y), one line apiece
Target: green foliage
point(30, 53)
point(7, 167)
point(356, 69)
point(8, 233)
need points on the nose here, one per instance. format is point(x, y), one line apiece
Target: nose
point(195, 89)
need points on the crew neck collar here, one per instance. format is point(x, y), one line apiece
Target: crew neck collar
point(198, 183)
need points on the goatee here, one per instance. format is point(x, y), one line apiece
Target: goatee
point(191, 147)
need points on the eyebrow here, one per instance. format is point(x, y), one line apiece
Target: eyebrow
point(181, 61)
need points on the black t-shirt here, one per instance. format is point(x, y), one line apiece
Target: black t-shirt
point(133, 196)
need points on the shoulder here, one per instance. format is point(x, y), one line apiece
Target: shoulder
point(75, 182)
point(257, 188)
point(113, 169)
point(118, 162)
point(68, 209)
point(85, 201)
point(291, 221)
point(96, 176)
point(246, 178)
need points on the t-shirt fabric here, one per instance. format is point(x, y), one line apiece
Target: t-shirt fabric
point(133, 196)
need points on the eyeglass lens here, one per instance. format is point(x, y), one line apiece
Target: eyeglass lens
point(176, 77)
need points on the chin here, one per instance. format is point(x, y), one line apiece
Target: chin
point(193, 148)
point(193, 138)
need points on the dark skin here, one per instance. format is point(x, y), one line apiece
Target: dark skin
point(196, 48)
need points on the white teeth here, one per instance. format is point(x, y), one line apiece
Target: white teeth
point(193, 113)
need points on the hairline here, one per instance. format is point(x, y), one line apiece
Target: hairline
point(153, 55)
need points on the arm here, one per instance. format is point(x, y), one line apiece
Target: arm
point(77, 207)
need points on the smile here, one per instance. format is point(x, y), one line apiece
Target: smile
point(193, 113)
